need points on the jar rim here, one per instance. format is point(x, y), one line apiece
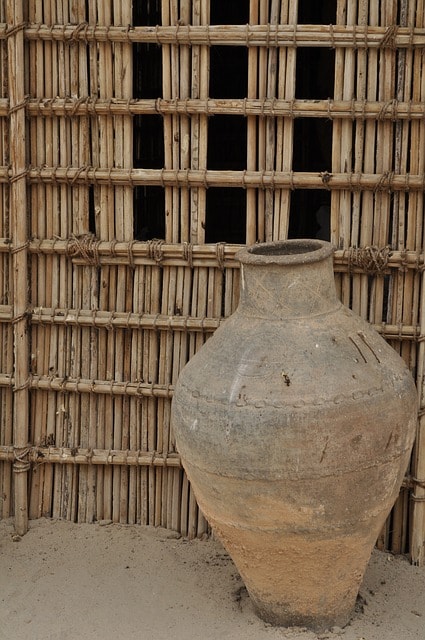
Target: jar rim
point(286, 252)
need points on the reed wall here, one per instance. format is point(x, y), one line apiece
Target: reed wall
point(139, 147)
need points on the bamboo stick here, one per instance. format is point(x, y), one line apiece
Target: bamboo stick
point(367, 181)
point(341, 201)
point(164, 377)
point(19, 232)
point(151, 374)
point(169, 122)
point(359, 109)
point(369, 36)
point(402, 305)
point(253, 231)
point(357, 303)
point(106, 229)
point(181, 223)
point(285, 126)
point(6, 331)
point(105, 457)
point(123, 85)
point(58, 346)
point(199, 127)
point(67, 481)
point(38, 266)
point(50, 273)
point(415, 234)
point(109, 252)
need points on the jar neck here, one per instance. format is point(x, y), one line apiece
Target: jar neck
point(280, 291)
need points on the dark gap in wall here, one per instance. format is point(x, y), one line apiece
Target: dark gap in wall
point(315, 73)
point(225, 215)
point(312, 147)
point(149, 142)
point(147, 57)
point(228, 72)
point(227, 12)
point(310, 214)
point(149, 218)
point(316, 12)
point(148, 131)
point(227, 143)
point(226, 207)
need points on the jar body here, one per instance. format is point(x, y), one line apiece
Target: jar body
point(295, 423)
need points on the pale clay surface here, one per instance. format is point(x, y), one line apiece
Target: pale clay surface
point(64, 581)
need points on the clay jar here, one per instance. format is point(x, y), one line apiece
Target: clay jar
point(295, 423)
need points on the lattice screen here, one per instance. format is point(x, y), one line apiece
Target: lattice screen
point(140, 146)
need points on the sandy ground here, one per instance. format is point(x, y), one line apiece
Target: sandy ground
point(103, 582)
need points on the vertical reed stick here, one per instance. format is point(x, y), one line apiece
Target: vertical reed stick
point(199, 137)
point(343, 137)
point(358, 213)
point(285, 127)
point(6, 330)
point(104, 204)
point(270, 132)
point(65, 428)
point(50, 272)
point(252, 233)
point(175, 79)
point(38, 264)
point(416, 230)
point(19, 236)
point(123, 231)
point(368, 16)
point(181, 223)
point(85, 277)
point(401, 310)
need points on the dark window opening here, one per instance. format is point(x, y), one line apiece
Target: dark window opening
point(310, 208)
point(227, 135)
point(225, 215)
point(316, 12)
point(149, 213)
point(148, 131)
point(147, 57)
point(149, 142)
point(310, 214)
point(226, 12)
point(312, 148)
point(312, 145)
point(147, 13)
point(228, 72)
point(315, 73)
point(227, 143)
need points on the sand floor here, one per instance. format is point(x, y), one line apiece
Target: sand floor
point(102, 581)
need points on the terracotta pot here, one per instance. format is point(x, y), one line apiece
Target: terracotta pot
point(295, 423)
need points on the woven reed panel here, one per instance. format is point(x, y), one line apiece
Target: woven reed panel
point(139, 148)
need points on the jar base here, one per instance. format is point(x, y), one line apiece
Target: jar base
point(299, 579)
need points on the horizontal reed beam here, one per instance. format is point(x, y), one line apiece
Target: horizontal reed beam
point(116, 320)
point(262, 35)
point(68, 455)
point(119, 320)
point(191, 178)
point(88, 250)
point(112, 320)
point(329, 109)
point(105, 387)
point(108, 387)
